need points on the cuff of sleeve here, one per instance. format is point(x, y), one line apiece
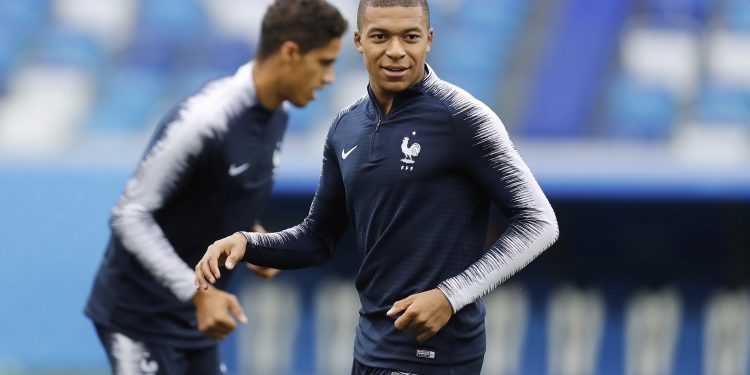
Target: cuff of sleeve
point(185, 289)
point(455, 304)
point(251, 244)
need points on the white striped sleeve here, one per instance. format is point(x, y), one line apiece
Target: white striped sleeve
point(161, 172)
point(495, 164)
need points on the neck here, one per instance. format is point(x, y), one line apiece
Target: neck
point(266, 85)
point(383, 98)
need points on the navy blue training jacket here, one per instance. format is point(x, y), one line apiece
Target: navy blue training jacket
point(206, 174)
point(416, 184)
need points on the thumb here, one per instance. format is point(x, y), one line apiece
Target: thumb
point(236, 309)
point(236, 252)
point(399, 307)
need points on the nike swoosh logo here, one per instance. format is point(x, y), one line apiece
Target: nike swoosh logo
point(235, 170)
point(345, 154)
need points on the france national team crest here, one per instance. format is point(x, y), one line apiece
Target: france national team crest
point(410, 152)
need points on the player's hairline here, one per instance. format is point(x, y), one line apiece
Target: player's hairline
point(364, 4)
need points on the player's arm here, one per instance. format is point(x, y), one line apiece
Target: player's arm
point(308, 244)
point(262, 272)
point(167, 166)
point(494, 163)
point(164, 169)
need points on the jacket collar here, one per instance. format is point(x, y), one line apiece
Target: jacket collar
point(419, 88)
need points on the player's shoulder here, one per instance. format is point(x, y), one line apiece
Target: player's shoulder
point(455, 99)
point(358, 105)
point(212, 108)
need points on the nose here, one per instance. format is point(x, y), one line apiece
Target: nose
point(329, 76)
point(395, 49)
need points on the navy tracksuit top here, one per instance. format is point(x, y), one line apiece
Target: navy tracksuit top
point(416, 185)
point(206, 174)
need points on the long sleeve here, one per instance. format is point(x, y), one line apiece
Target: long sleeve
point(494, 163)
point(312, 242)
point(165, 168)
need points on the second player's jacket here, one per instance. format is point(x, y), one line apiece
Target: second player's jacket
point(416, 184)
point(206, 174)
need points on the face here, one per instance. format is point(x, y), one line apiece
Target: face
point(394, 42)
point(309, 72)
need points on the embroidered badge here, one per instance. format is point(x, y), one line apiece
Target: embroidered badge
point(410, 152)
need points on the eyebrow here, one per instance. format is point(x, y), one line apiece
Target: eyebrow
point(384, 31)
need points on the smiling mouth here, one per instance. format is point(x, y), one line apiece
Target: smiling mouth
point(395, 71)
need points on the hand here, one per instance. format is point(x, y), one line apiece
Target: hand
point(228, 250)
point(216, 311)
point(262, 272)
point(424, 314)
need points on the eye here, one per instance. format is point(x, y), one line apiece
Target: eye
point(378, 36)
point(412, 37)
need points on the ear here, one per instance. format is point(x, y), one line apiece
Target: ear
point(289, 51)
point(358, 41)
point(430, 34)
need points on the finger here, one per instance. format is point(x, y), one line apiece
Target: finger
point(399, 307)
point(236, 309)
point(217, 333)
point(235, 253)
point(404, 322)
point(226, 324)
point(214, 335)
point(216, 328)
point(200, 278)
point(206, 271)
point(212, 258)
point(424, 336)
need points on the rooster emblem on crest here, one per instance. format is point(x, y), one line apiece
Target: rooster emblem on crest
point(409, 151)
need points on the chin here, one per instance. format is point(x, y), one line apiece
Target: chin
point(395, 87)
point(300, 102)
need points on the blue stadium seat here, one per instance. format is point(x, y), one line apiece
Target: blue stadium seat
point(494, 14)
point(724, 105)
point(127, 102)
point(10, 49)
point(182, 19)
point(698, 11)
point(71, 49)
point(23, 15)
point(736, 14)
point(152, 50)
point(221, 53)
point(640, 110)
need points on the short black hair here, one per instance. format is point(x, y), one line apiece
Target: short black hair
point(309, 23)
point(363, 4)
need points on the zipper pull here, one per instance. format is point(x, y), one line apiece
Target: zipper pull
point(377, 126)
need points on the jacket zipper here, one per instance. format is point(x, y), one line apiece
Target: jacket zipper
point(373, 139)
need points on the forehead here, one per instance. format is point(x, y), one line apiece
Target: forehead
point(394, 18)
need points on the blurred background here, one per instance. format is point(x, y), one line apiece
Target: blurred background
point(634, 116)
